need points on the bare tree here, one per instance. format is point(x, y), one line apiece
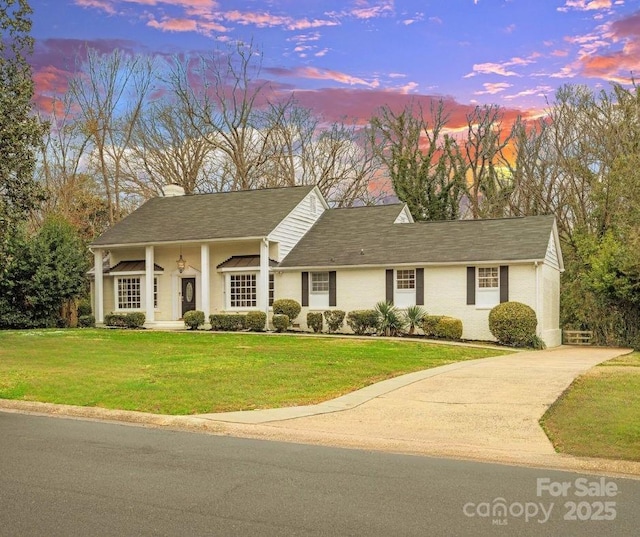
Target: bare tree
point(483, 163)
point(110, 92)
point(70, 191)
point(168, 149)
point(221, 96)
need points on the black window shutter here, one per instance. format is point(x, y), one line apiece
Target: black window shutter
point(389, 286)
point(305, 289)
point(420, 287)
point(504, 283)
point(471, 286)
point(332, 288)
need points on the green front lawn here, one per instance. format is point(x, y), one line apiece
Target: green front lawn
point(599, 414)
point(191, 373)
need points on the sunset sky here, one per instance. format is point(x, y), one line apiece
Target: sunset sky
point(345, 58)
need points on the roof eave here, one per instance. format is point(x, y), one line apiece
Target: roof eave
point(94, 246)
point(414, 264)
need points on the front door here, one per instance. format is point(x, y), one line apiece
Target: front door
point(188, 295)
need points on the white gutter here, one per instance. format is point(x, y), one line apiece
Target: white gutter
point(176, 243)
point(536, 264)
point(412, 265)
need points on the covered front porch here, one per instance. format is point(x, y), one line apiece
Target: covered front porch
point(164, 281)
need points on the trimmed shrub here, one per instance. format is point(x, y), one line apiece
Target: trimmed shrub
point(513, 323)
point(135, 319)
point(429, 323)
point(256, 321)
point(86, 321)
point(335, 319)
point(84, 308)
point(280, 322)
point(125, 320)
point(229, 322)
point(288, 307)
point(448, 328)
point(363, 321)
point(193, 319)
point(314, 321)
point(389, 320)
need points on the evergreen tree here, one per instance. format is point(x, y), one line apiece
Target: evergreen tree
point(20, 131)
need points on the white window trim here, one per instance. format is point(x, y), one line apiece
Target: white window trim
point(319, 299)
point(323, 272)
point(135, 274)
point(487, 297)
point(227, 286)
point(404, 297)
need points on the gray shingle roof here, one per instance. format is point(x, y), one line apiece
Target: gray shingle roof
point(248, 213)
point(363, 236)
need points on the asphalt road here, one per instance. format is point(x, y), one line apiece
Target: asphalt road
point(64, 477)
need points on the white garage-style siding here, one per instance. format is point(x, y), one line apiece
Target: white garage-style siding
point(297, 223)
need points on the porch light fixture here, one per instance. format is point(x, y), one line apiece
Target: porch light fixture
point(181, 263)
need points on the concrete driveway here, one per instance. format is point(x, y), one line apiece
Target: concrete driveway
point(482, 409)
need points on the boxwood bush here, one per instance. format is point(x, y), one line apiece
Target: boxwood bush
point(287, 306)
point(314, 321)
point(280, 322)
point(193, 319)
point(335, 319)
point(513, 323)
point(125, 320)
point(86, 321)
point(229, 322)
point(448, 328)
point(429, 323)
point(256, 321)
point(363, 321)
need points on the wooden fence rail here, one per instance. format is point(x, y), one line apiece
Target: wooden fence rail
point(577, 337)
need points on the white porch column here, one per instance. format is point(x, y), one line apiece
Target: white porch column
point(263, 277)
point(98, 286)
point(148, 284)
point(205, 281)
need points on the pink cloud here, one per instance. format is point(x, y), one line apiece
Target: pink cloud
point(368, 11)
point(105, 5)
point(492, 88)
point(585, 5)
point(359, 105)
point(174, 25)
point(337, 76)
point(598, 60)
point(323, 74)
point(502, 69)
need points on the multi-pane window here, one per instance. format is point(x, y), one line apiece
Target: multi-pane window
point(487, 277)
point(155, 293)
point(406, 279)
point(129, 293)
point(319, 282)
point(271, 289)
point(242, 290)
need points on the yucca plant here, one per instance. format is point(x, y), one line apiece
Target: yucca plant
point(413, 317)
point(390, 322)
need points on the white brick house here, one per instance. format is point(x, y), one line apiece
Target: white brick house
point(240, 250)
